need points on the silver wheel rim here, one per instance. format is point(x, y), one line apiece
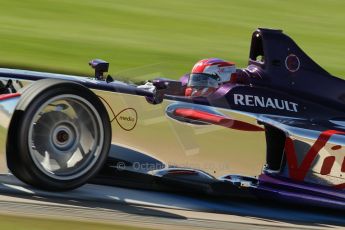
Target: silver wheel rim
point(65, 137)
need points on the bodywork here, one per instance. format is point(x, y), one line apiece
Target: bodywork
point(286, 126)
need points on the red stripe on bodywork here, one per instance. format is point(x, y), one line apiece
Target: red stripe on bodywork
point(336, 147)
point(327, 165)
point(8, 96)
point(216, 119)
point(339, 186)
point(182, 172)
point(299, 172)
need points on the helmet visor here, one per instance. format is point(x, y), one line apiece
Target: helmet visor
point(203, 80)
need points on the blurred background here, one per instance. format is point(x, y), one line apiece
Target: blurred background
point(146, 39)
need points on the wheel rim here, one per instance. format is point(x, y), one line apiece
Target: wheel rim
point(65, 137)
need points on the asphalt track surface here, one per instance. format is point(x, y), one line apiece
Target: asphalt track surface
point(159, 210)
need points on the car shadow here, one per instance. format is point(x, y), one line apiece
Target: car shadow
point(166, 205)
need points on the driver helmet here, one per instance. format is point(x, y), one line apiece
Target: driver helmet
point(208, 75)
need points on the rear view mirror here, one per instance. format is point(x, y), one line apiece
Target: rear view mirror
point(100, 67)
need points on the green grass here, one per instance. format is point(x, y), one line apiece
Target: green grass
point(143, 39)
point(26, 223)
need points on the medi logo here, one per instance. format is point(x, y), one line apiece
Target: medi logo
point(127, 119)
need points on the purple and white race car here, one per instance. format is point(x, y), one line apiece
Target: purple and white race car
point(280, 135)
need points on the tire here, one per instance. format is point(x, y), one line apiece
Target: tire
point(59, 136)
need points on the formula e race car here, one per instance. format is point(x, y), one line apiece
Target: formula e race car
point(281, 135)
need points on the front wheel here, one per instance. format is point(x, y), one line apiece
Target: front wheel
point(59, 136)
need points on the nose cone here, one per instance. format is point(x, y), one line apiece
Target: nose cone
point(8, 103)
